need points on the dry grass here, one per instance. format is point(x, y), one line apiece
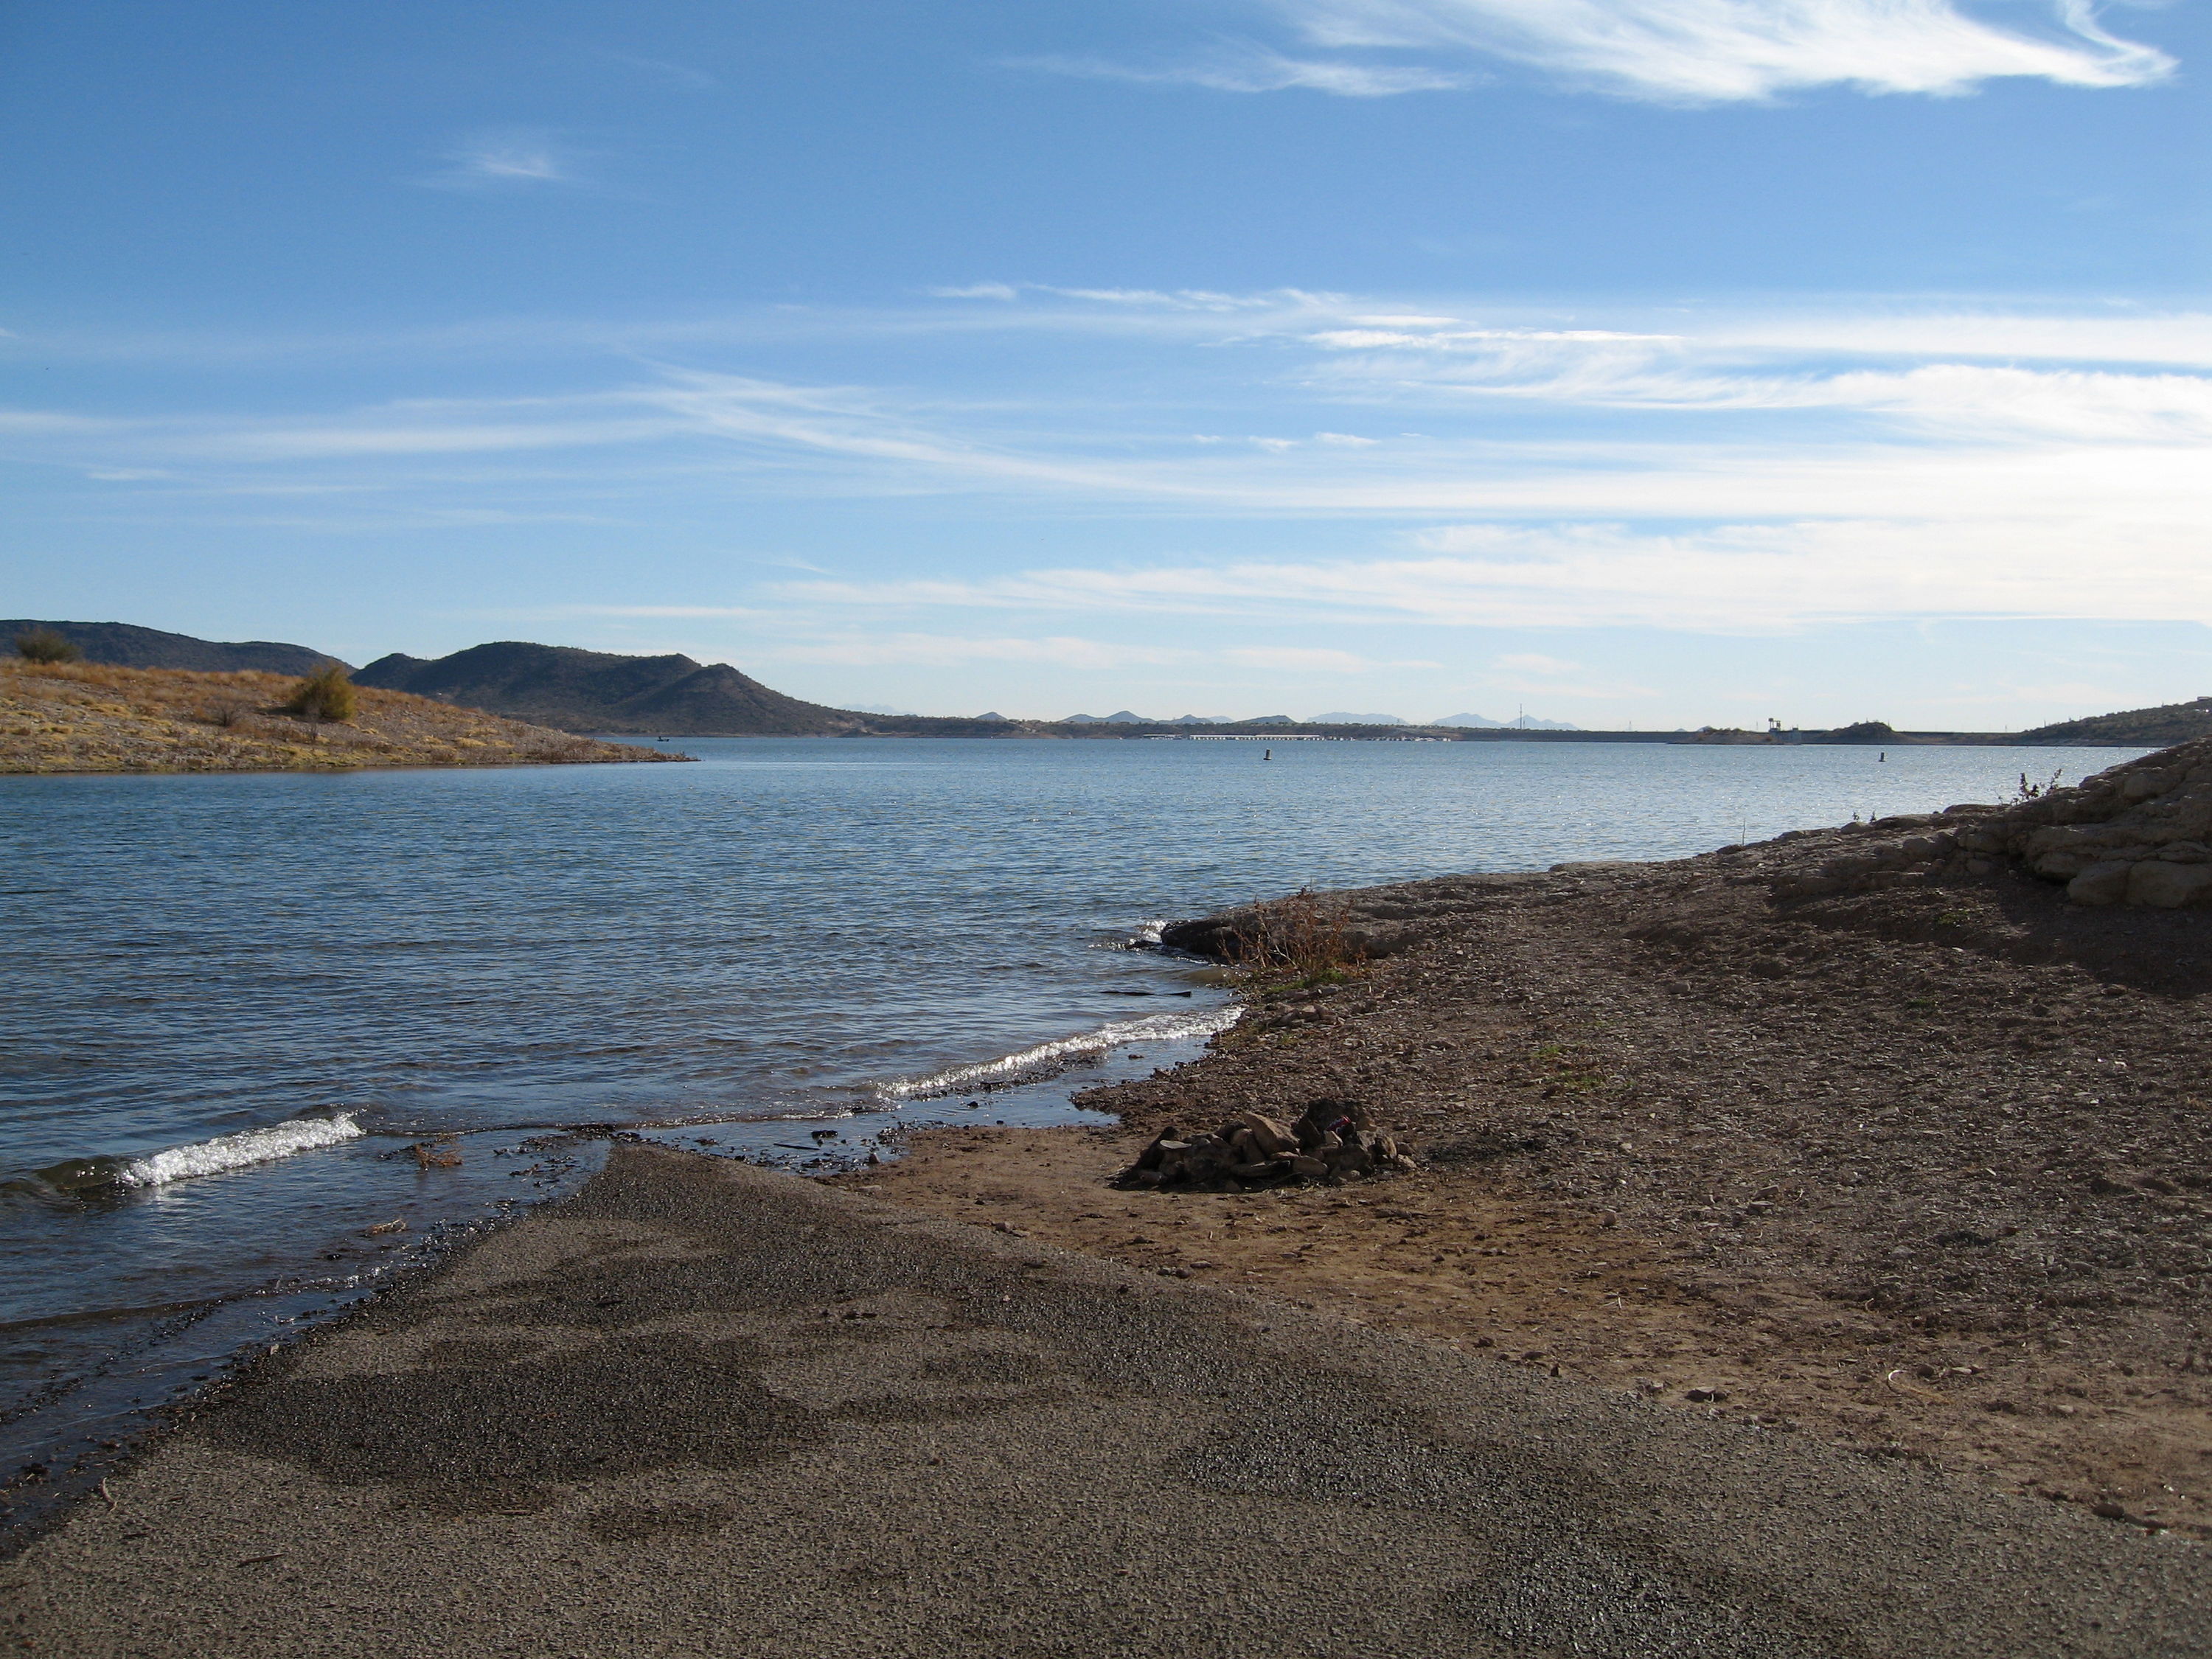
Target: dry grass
point(1299, 939)
point(94, 717)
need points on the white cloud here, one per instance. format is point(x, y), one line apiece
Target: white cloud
point(663, 611)
point(1616, 369)
point(508, 157)
point(977, 291)
point(1727, 51)
point(951, 651)
point(1310, 660)
point(1255, 69)
point(1740, 577)
point(1534, 662)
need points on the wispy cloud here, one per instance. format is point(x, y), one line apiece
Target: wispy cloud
point(1253, 69)
point(1734, 577)
point(1680, 52)
point(507, 158)
point(1723, 470)
point(953, 651)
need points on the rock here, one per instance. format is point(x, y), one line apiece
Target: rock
point(2167, 885)
point(1274, 1138)
point(2103, 883)
point(1332, 1140)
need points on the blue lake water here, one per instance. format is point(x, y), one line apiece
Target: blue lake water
point(789, 945)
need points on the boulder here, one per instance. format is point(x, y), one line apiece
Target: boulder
point(2101, 883)
point(2167, 885)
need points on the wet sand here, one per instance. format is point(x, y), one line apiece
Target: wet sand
point(699, 1408)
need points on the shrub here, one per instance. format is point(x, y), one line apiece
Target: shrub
point(1298, 938)
point(324, 694)
point(44, 645)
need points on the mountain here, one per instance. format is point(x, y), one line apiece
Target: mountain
point(2155, 728)
point(1358, 720)
point(1124, 718)
point(1530, 723)
point(1201, 719)
point(123, 645)
point(1466, 720)
point(579, 690)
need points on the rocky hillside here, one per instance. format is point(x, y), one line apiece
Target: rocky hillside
point(126, 646)
point(2173, 722)
point(86, 717)
point(579, 690)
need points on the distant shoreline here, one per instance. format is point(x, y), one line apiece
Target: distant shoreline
point(90, 719)
point(1056, 732)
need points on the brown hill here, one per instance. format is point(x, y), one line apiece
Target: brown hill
point(602, 691)
point(86, 717)
point(125, 645)
point(2171, 722)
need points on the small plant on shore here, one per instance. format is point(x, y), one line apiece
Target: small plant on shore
point(43, 645)
point(2034, 791)
point(1298, 939)
point(325, 695)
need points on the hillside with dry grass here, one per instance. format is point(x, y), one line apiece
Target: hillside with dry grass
point(86, 717)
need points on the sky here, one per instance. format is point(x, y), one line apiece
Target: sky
point(1628, 362)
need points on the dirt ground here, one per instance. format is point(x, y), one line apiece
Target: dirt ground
point(85, 717)
point(1926, 1171)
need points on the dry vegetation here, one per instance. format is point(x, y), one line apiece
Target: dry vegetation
point(86, 717)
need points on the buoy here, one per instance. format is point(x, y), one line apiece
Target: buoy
point(1269, 755)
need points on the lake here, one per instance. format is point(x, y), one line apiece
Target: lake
point(244, 1001)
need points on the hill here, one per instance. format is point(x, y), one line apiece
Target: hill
point(2173, 722)
point(576, 690)
point(96, 717)
point(579, 690)
point(123, 645)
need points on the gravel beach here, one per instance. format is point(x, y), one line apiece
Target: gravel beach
point(703, 1409)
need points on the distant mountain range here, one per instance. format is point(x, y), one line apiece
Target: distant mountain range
point(579, 690)
point(126, 646)
point(1518, 723)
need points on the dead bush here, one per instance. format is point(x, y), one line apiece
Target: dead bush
point(1300, 937)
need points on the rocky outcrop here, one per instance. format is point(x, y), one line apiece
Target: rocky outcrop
point(2139, 833)
point(1334, 1141)
point(1372, 923)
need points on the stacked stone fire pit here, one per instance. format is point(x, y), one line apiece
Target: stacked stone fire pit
point(1333, 1141)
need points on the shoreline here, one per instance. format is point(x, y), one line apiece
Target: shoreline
point(698, 1408)
point(1912, 1160)
point(79, 719)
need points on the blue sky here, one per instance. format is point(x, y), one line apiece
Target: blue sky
point(1651, 361)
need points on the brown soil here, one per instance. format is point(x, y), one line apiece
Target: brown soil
point(1925, 1169)
point(77, 717)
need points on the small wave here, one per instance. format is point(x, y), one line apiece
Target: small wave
point(1048, 1057)
point(263, 1145)
point(1146, 937)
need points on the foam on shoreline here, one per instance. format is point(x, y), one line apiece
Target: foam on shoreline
point(1046, 1057)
